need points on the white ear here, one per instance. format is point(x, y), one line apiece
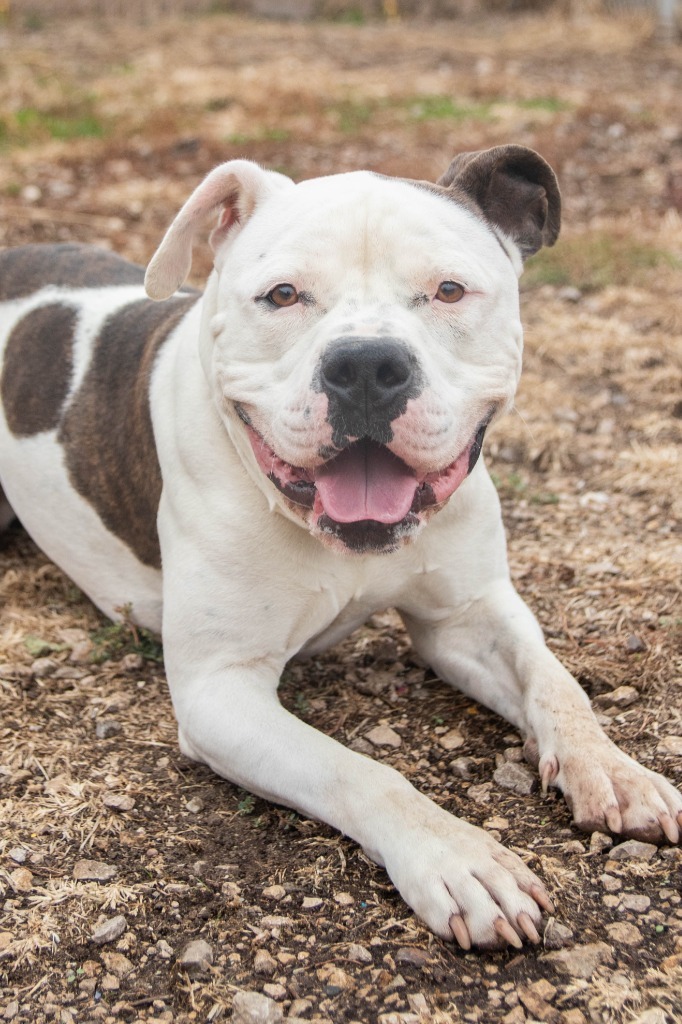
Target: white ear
point(235, 188)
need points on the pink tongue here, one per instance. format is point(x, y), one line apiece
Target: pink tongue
point(366, 481)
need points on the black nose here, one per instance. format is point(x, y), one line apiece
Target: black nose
point(363, 372)
point(368, 382)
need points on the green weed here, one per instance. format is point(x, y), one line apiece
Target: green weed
point(117, 639)
point(596, 260)
point(30, 125)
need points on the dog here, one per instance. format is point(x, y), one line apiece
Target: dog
point(256, 470)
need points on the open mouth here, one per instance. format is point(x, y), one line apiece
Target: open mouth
point(366, 496)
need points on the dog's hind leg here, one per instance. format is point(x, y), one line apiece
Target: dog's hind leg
point(6, 511)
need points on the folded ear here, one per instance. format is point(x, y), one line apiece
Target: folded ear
point(515, 189)
point(235, 189)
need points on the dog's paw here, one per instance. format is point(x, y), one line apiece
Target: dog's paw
point(466, 886)
point(609, 792)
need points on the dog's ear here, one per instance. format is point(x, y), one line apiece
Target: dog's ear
point(235, 189)
point(515, 189)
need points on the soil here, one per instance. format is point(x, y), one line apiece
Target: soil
point(107, 126)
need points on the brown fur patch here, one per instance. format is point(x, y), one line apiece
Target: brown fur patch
point(37, 369)
point(29, 268)
point(107, 431)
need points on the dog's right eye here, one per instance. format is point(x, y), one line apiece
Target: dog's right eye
point(283, 295)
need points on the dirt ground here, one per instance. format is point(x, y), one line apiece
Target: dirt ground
point(104, 130)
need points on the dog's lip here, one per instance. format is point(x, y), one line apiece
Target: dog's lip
point(431, 489)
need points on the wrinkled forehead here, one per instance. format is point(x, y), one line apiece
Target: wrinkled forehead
point(371, 221)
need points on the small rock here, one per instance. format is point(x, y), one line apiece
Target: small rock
point(623, 931)
point(538, 1007)
point(312, 903)
point(117, 964)
point(670, 745)
point(496, 822)
point(195, 805)
point(610, 883)
point(274, 892)
point(383, 736)
point(412, 955)
point(632, 849)
point(299, 1007)
point(109, 983)
point(451, 740)
point(11, 1010)
point(580, 961)
point(42, 667)
point(6, 940)
point(93, 871)
point(275, 991)
point(361, 746)
point(109, 930)
point(396, 983)
point(462, 767)
point(196, 957)
point(359, 954)
point(634, 644)
point(344, 899)
point(255, 1008)
point(164, 950)
point(557, 935)
point(621, 697)
point(263, 963)
point(573, 846)
point(21, 880)
point(574, 1016)
point(131, 662)
point(118, 801)
point(600, 842)
point(18, 854)
point(480, 794)
point(610, 901)
point(637, 902)
point(105, 728)
point(569, 294)
point(515, 777)
point(274, 921)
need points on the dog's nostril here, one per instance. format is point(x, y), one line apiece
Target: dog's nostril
point(342, 372)
point(391, 374)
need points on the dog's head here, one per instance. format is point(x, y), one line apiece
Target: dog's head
point(361, 332)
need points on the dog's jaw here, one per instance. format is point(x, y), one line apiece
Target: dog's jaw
point(364, 498)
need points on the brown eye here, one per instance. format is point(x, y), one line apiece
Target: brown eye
point(449, 291)
point(283, 295)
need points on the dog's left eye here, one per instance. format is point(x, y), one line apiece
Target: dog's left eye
point(450, 291)
point(283, 295)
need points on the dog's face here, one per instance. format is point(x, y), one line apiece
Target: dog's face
point(360, 334)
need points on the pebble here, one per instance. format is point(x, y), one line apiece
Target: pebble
point(383, 736)
point(557, 935)
point(359, 954)
point(117, 963)
point(195, 805)
point(623, 931)
point(580, 961)
point(515, 777)
point(600, 842)
point(635, 901)
point(412, 955)
point(18, 854)
point(462, 767)
point(263, 963)
point(255, 1008)
point(610, 883)
point(654, 1015)
point(196, 957)
point(6, 940)
point(118, 801)
point(451, 740)
point(299, 1007)
point(344, 899)
point(275, 921)
point(497, 823)
point(634, 644)
point(109, 930)
point(480, 794)
point(632, 849)
point(670, 745)
point(107, 727)
point(569, 294)
point(274, 892)
point(622, 696)
point(312, 903)
point(11, 1010)
point(21, 879)
point(275, 991)
point(93, 871)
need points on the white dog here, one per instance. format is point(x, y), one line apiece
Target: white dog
point(258, 470)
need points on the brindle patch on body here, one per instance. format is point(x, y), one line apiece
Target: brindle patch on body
point(107, 431)
point(37, 369)
point(26, 270)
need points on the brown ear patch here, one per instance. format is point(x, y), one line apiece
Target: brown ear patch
point(29, 268)
point(107, 431)
point(37, 369)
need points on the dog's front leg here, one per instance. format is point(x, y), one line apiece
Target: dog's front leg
point(461, 882)
point(493, 650)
